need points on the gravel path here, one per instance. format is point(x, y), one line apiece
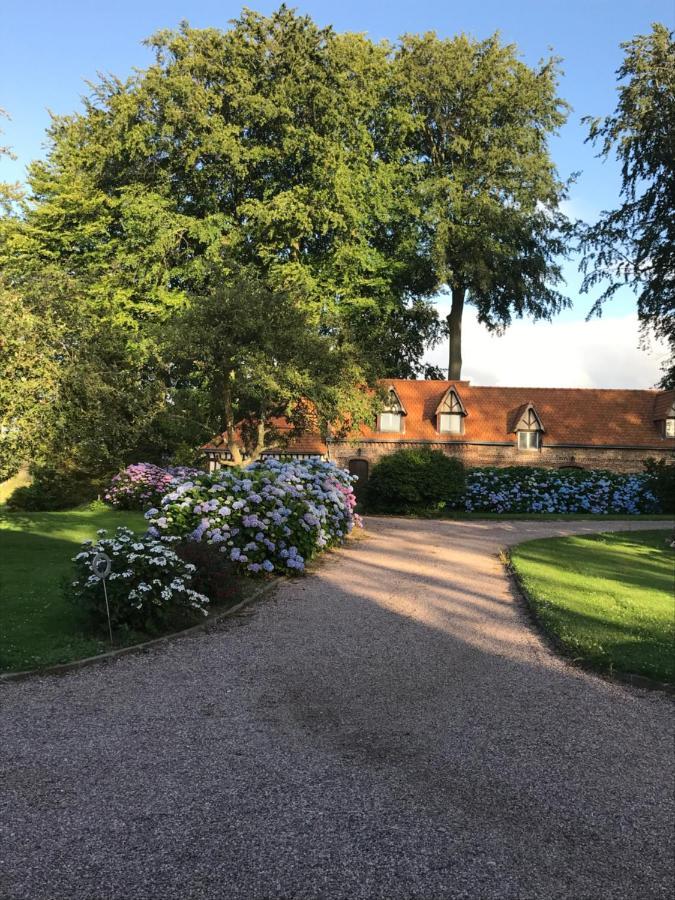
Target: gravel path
point(388, 727)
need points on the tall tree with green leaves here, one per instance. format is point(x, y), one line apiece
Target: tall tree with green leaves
point(28, 380)
point(634, 244)
point(255, 355)
point(71, 395)
point(478, 130)
point(263, 146)
point(270, 148)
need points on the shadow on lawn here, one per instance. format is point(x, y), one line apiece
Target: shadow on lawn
point(611, 556)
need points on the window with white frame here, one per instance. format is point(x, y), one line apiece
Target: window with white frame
point(450, 413)
point(450, 423)
point(529, 440)
point(390, 421)
point(670, 428)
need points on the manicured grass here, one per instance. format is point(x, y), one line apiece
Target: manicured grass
point(607, 598)
point(38, 627)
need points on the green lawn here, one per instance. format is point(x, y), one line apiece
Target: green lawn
point(609, 598)
point(37, 626)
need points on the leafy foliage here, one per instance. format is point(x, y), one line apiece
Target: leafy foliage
point(53, 488)
point(635, 244)
point(254, 354)
point(215, 575)
point(149, 587)
point(525, 489)
point(273, 516)
point(73, 394)
point(29, 378)
point(10, 194)
point(479, 120)
point(414, 481)
point(661, 478)
point(143, 485)
point(262, 150)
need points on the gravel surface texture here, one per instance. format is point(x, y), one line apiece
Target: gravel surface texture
point(389, 726)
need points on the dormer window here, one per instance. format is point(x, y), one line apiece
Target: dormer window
point(391, 417)
point(664, 414)
point(390, 421)
point(450, 413)
point(451, 423)
point(529, 440)
point(527, 425)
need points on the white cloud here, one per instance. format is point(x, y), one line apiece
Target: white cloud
point(600, 353)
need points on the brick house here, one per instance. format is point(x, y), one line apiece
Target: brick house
point(501, 426)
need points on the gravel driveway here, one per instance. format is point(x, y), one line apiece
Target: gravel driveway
point(388, 727)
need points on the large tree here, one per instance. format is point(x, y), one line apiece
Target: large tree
point(28, 379)
point(10, 193)
point(478, 130)
point(255, 354)
point(269, 148)
point(263, 146)
point(634, 244)
point(71, 394)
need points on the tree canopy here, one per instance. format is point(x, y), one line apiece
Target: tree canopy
point(480, 120)
point(255, 355)
point(263, 146)
point(634, 244)
point(265, 213)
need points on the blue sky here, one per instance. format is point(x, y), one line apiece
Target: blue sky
point(50, 48)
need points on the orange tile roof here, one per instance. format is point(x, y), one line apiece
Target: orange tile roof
point(594, 417)
point(591, 416)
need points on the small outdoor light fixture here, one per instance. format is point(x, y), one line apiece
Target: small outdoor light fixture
point(100, 567)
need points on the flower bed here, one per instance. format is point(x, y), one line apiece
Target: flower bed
point(271, 517)
point(533, 490)
point(143, 485)
point(149, 586)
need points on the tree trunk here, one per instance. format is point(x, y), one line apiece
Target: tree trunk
point(455, 334)
point(260, 432)
point(232, 445)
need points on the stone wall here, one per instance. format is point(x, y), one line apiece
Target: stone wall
point(472, 455)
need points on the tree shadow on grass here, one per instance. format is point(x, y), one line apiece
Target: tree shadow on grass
point(626, 556)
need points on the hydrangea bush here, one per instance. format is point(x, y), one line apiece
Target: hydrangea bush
point(271, 517)
point(534, 490)
point(143, 485)
point(149, 586)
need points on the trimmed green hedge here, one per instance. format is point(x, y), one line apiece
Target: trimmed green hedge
point(418, 480)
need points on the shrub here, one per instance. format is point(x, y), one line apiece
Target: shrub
point(52, 489)
point(661, 480)
point(149, 587)
point(524, 489)
point(415, 481)
point(215, 575)
point(143, 485)
point(272, 516)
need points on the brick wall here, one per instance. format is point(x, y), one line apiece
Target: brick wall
point(486, 455)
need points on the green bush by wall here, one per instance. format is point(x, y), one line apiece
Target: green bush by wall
point(415, 481)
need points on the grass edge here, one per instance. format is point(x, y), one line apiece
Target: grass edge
point(554, 643)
